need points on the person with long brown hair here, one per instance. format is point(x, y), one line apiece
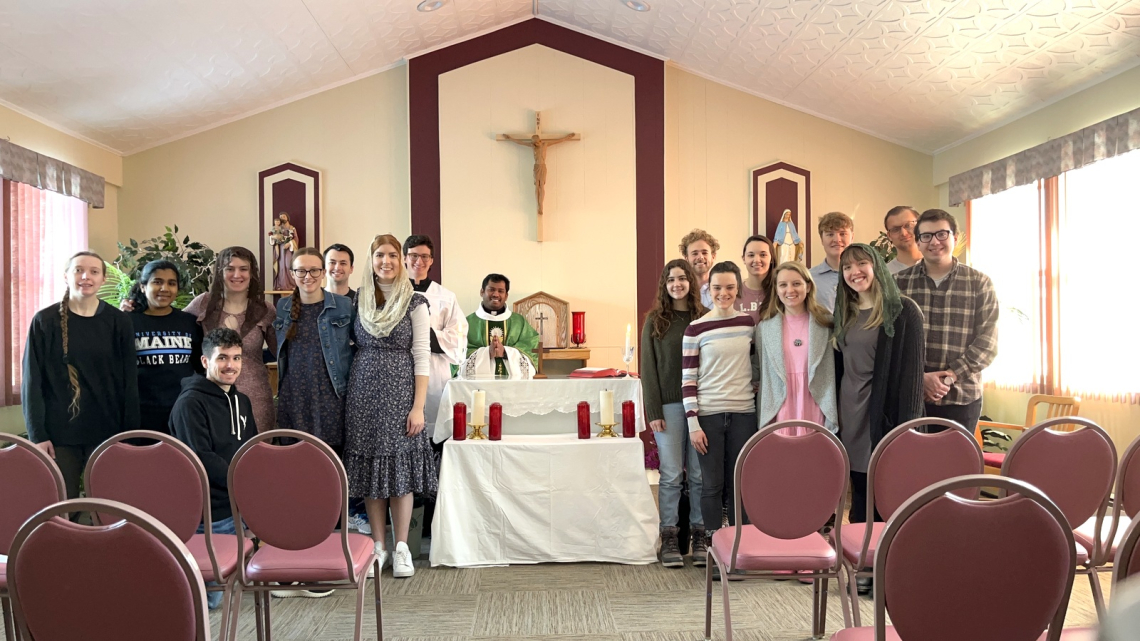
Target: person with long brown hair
point(237, 300)
point(793, 347)
point(678, 302)
point(759, 255)
point(387, 452)
point(80, 379)
point(314, 353)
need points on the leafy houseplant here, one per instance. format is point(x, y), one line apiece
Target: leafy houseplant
point(883, 245)
point(193, 259)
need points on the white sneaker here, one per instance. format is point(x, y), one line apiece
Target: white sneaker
point(402, 563)
point(360, 524)
point(380, 552)
point(310, 594)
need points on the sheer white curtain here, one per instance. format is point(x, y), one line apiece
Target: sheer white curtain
point(1006, 243)
point(1098, 217)
point(44, 229)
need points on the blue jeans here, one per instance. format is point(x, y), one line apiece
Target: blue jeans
point(676, 454)
point(225, 526)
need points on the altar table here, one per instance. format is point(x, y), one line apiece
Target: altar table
point(544, 406)
point(536, 499)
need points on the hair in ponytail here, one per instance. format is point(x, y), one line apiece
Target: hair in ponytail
point(64, 312)
point(295, 309)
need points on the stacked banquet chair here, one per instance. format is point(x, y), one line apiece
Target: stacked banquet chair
point(790, 487)
point(904, 463)
point(166, 480)
point(932, 566)
point(1076, 470)
point(1125, 506)
point(291, 498)
point(130, 580)
point(29, 482)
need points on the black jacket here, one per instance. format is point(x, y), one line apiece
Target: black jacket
point(213, 423)
point(896, 389)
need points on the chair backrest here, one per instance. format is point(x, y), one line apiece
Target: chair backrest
point(790, 486)
point(907, 461)
point(289, 496)
point(165, 479)
point(1127, 561)
point(29, 482)
point(1128, 480)
point(1076, 470)
point(931, 566)
point(131, 580)
point(1055, 407)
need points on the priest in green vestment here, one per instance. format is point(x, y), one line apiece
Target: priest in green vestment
point(499, 344)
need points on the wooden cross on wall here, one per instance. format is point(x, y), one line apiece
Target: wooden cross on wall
point(539, 144)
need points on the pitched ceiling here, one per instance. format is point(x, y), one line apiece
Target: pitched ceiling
point(131, 74)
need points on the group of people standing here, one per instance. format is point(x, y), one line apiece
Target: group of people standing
point(855, 344)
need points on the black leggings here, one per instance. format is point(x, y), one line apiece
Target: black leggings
point(727, 433)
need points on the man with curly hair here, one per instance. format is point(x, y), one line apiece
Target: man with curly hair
point(699, 248)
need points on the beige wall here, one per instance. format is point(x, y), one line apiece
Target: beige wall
point(588, 256)
point(716, 135)
point(356, 135)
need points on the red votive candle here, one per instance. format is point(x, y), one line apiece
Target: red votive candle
point(628, 420)
point(459, 422)
point(584, 419)
point(496, 431)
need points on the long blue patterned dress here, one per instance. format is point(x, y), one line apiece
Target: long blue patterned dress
point(381, 461)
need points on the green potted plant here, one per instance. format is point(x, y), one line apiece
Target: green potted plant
point(193, 259)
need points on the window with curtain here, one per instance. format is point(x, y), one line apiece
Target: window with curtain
point(1098, 211)
point(1059, 253)
point(1005, 237)
point(41, 230)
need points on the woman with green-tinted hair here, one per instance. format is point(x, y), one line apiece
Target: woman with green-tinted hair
point(878, 367)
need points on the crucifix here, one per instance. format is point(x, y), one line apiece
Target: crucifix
point(539, 144)
point(541, 318)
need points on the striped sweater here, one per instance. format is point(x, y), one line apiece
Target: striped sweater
point(716, 368)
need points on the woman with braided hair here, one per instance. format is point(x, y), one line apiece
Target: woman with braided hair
point(314, 353)
point(237, 300)
point(80, 380)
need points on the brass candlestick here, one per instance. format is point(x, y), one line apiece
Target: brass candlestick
point(607, 430)
point(477, 431)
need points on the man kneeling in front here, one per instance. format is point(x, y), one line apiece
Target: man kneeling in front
point(212, 416)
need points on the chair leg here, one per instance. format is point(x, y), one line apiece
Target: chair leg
point(379, 603)
point(853, 595)
point(9, 625)
point(711, 563)
point(235, 609)
point(227, 597)
point(822, 587)
point(1097, 593)
point(727, 610)
point(268, 627)
point(260, 622)
point(844, 603)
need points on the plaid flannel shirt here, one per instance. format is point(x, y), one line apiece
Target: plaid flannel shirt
point(960, 317)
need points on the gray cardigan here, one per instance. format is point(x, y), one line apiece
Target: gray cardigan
point(769, 340)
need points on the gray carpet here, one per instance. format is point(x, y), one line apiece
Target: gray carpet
point(570, 602)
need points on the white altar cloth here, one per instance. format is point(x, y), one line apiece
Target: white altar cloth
point(536, 499)
point(543, 406)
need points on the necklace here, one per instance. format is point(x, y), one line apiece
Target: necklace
point(797, 342)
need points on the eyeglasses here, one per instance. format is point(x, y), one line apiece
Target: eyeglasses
point(312, 273)
point(909, 227)
point(419, 258)
point(941, 234)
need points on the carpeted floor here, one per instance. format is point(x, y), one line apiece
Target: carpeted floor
point(570, 602)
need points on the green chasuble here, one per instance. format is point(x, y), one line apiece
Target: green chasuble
point(514, 331)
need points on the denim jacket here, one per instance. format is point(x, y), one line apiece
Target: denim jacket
point(335, 326)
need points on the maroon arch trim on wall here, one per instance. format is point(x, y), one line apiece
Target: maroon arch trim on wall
point(649, 129)
point(311, 236)
point(760, 220)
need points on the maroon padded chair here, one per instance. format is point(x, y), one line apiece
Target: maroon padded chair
point(292, 497)
point(29, 482)
point(931, 571)
point(904, 463)
point(166, 480)
point(1076, 470)
point(1125, 506)
point(132, 580)
point(790, 487)
point(1126, 562)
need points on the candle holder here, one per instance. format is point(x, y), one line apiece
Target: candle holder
point(607, 430)
point(477, 431)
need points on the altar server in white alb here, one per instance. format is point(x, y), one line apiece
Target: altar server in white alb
point(499, 343)
point(448, 324)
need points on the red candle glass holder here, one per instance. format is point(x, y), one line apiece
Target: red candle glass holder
point(459, 422)
point(578, 328)
point(584, 419)
point(496, 422)
point(628, 420)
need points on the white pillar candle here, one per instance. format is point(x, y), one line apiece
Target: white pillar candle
point(478, 407)
point(606, 414)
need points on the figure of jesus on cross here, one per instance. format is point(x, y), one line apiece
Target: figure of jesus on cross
point(539, 144)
